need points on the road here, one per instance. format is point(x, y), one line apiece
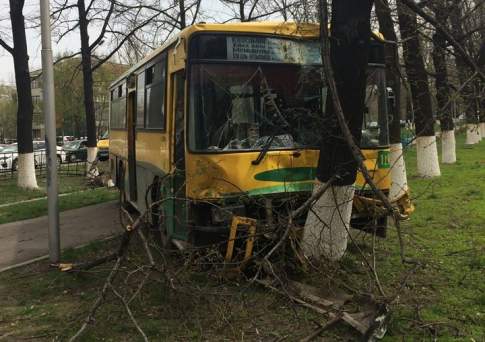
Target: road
point(23, 241)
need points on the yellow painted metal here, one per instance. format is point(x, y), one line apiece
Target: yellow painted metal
point(380, 176)
point(215, 175)
point(118, 143)
point(153, 148)
point(236, 222)
point(405, 205)
point(211, 176)
point(103, 144)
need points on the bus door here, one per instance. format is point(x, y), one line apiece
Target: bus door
point(131, 122)
point(178, 227)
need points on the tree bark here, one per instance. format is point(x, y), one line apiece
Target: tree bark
point(443, 93)
point(349, 50)
point(26, 166)
point(464, 71)
point(399, 181)
point(416, 72)
point(327, 223)
point(393, 74)
point(87, 82)
point(442, 87)
point(427, 153)
point(182, 14)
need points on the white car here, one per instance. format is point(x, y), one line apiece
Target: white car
point(9, 156)
point(40, 153)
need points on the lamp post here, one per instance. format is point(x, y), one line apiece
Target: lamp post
point(50, 133)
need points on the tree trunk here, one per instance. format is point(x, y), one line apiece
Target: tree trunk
point(399, 181)
point(327, 224)
point(427, 152)
point(443, 94)
point(464, 74)
point(182, 14)
point(481, 64)
point(26, 165)
point(87, 84)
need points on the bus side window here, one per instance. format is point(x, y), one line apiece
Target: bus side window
point(140, 100)
point(155, 80)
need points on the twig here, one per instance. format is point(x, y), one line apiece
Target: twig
point(317, 332)
point(130, 313)
point(89, 319)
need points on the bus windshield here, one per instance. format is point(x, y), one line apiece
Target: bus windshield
point(250, 93)
point(242, 106)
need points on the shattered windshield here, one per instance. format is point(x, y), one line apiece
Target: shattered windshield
point(243, 107)
point(249, 92)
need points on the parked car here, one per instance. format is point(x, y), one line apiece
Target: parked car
point(9, 158)
point(103, 147)
point(40, 153)
point(76, 150)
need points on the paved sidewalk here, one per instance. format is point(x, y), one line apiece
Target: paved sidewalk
point(23, 241)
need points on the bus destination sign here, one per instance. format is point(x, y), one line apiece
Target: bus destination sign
point(267, 49)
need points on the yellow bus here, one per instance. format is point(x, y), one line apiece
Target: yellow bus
point(224, 121)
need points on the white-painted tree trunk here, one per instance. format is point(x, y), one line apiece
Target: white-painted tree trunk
point(327, 224)
point(26, 171)
point(472, 134)
point(448, 147)
point(399, 179)
point(427, 157)
point(92, 172)
point(482, 129)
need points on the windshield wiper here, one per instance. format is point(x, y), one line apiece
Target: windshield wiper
point(264, 150)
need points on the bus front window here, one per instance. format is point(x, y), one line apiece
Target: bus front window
point(253, 92)
point(241, 107)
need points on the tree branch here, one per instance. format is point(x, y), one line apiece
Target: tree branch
point(6, 46)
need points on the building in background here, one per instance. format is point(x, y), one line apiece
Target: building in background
point(70, 115)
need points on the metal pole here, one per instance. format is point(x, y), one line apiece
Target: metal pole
point(50, 133)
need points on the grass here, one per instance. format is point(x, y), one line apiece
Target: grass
point(75, 188)
point(443, 299)
point(11, 193)
point(23, 211)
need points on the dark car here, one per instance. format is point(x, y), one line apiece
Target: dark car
point(76, 150)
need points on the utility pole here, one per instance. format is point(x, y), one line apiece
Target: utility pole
point(50, 133)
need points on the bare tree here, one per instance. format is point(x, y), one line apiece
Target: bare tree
point(25, 163)
point(443, 92)
point(464, 73)
point(399, 185)
point(427, 153)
